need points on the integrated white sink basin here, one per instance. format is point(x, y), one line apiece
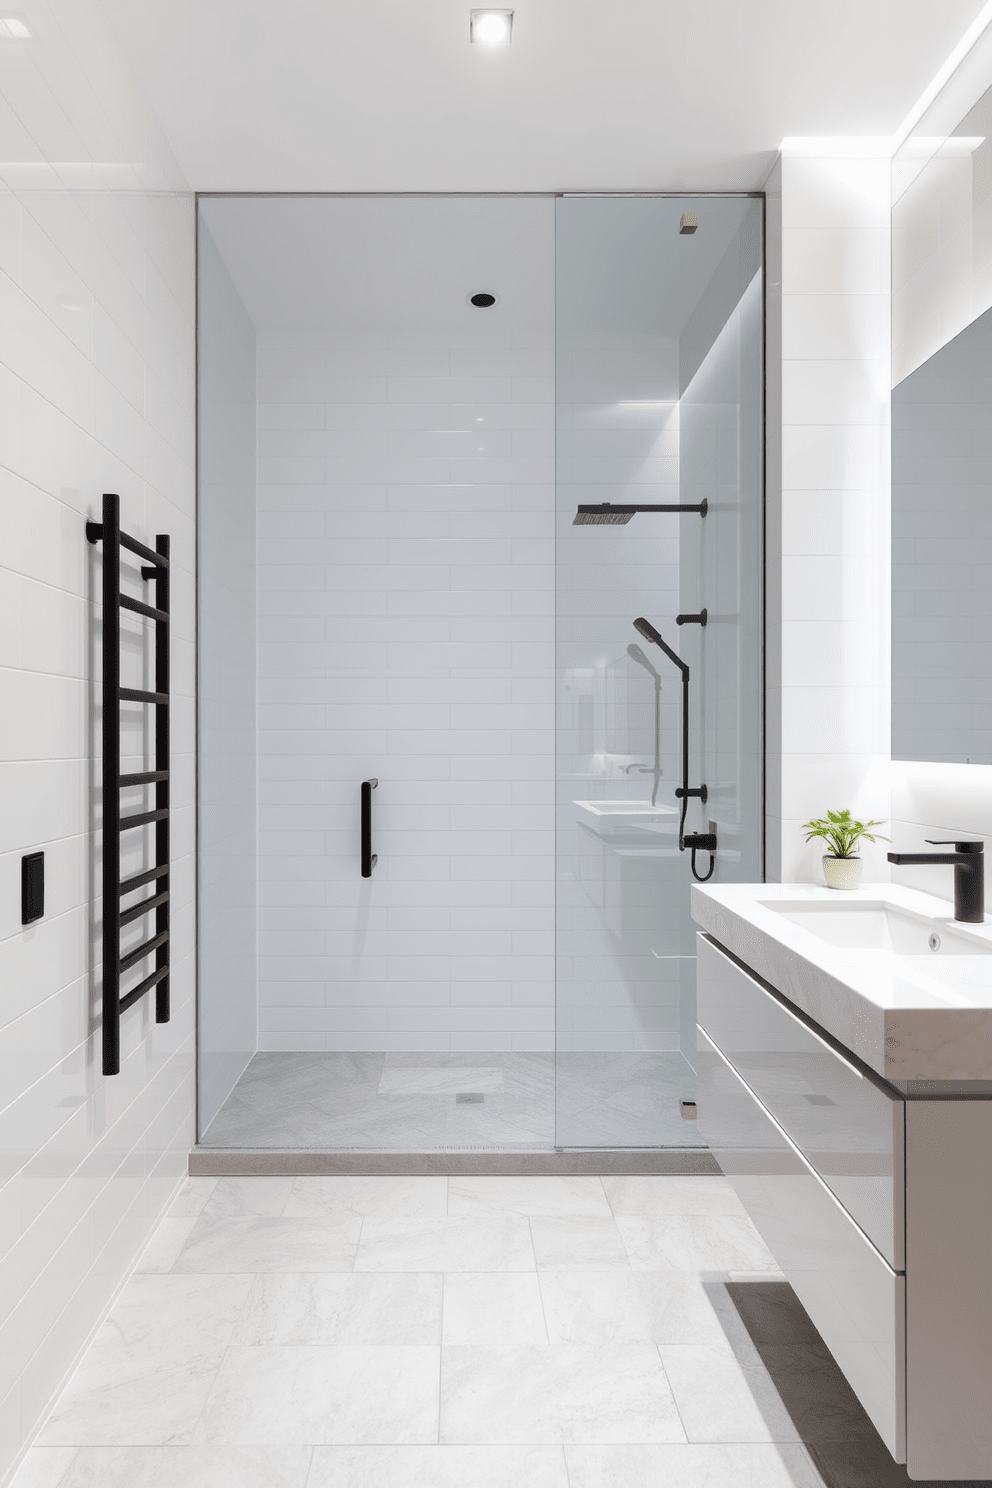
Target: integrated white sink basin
point(875, 926)
point(885, 969)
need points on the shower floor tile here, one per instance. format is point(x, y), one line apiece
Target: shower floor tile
point(413, 1102)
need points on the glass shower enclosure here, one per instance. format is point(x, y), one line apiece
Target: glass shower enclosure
point(393, 587)
point(659, 402)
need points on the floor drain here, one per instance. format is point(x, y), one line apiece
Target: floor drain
point(468, 1098)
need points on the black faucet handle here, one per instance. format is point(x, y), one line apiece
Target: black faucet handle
point(961, 847)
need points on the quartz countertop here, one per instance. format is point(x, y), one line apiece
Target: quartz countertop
point(904, 1017)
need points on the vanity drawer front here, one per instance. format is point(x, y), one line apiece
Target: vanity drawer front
point(850, 1129)
point(855, 1300)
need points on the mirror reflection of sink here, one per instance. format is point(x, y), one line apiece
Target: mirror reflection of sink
point(867, 926)
point(624, 808)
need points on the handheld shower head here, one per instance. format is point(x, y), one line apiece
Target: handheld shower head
point(636, 654)
point(647, 630)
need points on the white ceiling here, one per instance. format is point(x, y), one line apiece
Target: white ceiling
point(388, 95)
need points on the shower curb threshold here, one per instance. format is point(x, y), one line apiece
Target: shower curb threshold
point(274, 1162)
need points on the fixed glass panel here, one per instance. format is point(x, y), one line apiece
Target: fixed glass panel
point(658, 402)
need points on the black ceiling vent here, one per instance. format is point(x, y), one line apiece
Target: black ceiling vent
point(482, 300)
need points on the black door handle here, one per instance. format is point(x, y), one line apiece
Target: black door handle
point(369, 858)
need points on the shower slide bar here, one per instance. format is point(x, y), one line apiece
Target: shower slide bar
point(369, 858)
point(115, 965)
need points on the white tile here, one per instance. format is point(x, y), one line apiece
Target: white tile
point(744, 1464)
point(604, 1307)
point(372, 1198)
point(323, 1395)
point(563, 1394)
point(532, 1196)
point(196, 1467)
point(147, 1376)
point(721, 1242)
point(251, 1242)
point(493, 1309)
point(459, 1243)
point(719, 1401)
point(347, 1309)
point(437, 1467)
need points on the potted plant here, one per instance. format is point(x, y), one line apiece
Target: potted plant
point(841, 866)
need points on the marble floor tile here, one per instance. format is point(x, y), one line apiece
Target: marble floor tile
point(189, 1201)
point(769, 1311)
point(371, 1198)
point(603, 1307)
point(441, 1080)
point(558, 1394)
point(438, 1467)
point(814, 1392)
point(261, 1242)
point(249, 1196)
point(693, 1242)
point(351, 1308)
point(323, 1396)
point(543, 1196)
point(741, 1465)
point(190, 1467)
point(651, 1197)
point(493, 1309)
point(149, 1371)
point(459, 1243)
point(577, 1242)
point(168, 1239)
point(720, 1402)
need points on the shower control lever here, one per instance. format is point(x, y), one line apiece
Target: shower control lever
point(699, 619)
point(369, 858)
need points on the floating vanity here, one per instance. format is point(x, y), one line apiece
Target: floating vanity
point(845, 1088)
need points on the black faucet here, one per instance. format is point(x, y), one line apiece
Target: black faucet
point(968, 859)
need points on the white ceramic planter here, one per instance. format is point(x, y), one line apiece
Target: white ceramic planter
point(841, 873)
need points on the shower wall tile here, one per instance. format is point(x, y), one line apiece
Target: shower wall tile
point(96, 394)
point(406, 631)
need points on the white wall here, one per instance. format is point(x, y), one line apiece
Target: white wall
point(406, 613)
point(96, 394)
point(228, 967)
point(828, 566)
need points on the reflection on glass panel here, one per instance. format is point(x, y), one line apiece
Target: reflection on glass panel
point(658, 403)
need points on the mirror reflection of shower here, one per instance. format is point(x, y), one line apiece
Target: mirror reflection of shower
point(636, 654)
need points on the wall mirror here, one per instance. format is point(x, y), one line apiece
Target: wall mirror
point(942, 440)
point(942, 554)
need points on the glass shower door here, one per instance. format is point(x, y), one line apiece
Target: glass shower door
point(659, 402)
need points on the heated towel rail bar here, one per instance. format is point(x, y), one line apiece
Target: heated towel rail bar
point(114, 888)
point(369, 858)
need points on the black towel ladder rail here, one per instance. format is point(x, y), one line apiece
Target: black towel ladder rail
point(114, 918)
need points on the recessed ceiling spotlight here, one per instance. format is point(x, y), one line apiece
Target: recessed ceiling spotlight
point(483, 299)
point(490, 27)
point(15, 28)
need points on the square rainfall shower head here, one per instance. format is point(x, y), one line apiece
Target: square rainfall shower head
point(602, 516)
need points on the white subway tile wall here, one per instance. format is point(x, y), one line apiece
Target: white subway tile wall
point(227, 683)
point(406, 632)
point(96, 394)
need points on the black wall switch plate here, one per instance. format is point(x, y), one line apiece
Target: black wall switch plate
point(32, 887)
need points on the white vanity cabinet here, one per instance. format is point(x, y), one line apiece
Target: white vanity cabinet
point(878, 1209)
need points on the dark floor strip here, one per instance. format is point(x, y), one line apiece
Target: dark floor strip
point(227, 1162)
